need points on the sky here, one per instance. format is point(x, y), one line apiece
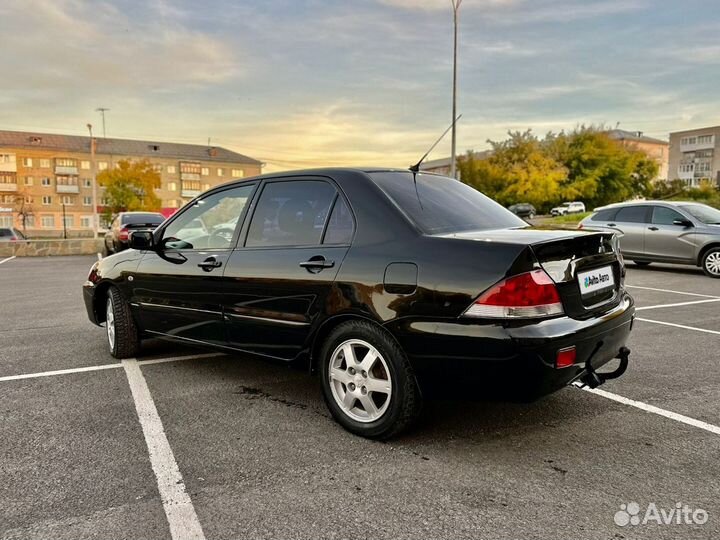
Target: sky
point(304, 83)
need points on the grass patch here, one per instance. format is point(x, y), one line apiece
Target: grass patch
point(569, 218)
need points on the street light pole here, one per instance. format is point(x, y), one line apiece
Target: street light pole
point(96, 221)
point(456, 7)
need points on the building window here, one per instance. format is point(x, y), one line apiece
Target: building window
point(172, 186)
point(104, 201)
point(205, 171)
point(87, 201)
point(171, 169)
point(29, 199)
point(86, 222)
point(102, 165)
point(238, 173)
point(45, 163)
point(67, 200)
point(8, 199)
point(172, 203)
point(29, 221)
point(87, 182)
point(29, 180)
point(46, 181)
point(63, 162)
point(47, 200)
point(189, 167)
point(27, 162)
point(48, 222)
point(157, 167)
point(8, 178)
point(69, 221)
point(85, 165)
point(205, 187)
point(220, 172)
point(66, 180)
point(704, 139)
point(7, 158)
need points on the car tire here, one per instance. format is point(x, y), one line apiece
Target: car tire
point(120, 326)
point(641, 263)
point(711, 262)
point(531, 216)
point(106, 251)
point(375, 414)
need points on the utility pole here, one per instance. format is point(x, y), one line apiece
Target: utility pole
point(96, 220)
point(102, 110)
point(64, 223)
point(456, 7)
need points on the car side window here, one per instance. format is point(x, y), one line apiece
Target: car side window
point(665, 216)
point(210, 222)
point(290, 213)
point(340, 224)
point(604, 215)
point(632, 214)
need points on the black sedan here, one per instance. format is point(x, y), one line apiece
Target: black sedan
point(378, 280)
point(525, 210)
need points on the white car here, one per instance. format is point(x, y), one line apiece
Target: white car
point(568, 208)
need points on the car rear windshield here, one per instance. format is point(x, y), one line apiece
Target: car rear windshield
point(704, 213)
point(153, 219)
point(437, 204)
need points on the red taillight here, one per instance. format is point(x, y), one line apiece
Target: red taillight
point(532, 294)
point(123, 235)
point(13, 238)
point(565, 357)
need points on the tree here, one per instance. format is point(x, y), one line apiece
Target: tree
point(24, 209)
point(130, 186)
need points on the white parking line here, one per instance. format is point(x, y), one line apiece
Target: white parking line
point(641, 308)
point(679, 326)
point(8, 259)
point(179, 510)
point(105, 366)
point(656, 410)
point(671, 291)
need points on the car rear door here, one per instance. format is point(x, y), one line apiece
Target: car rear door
point(665, 241)
point(178, 286)
point(630, 223)
point(281, 278)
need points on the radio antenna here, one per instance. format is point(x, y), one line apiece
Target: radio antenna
point(416, 168)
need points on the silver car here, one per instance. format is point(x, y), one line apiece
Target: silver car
point(663, 231)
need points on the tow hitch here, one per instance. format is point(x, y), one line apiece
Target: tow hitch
point(593, 379)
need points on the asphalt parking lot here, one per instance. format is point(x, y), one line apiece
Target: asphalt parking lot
point(239, 448)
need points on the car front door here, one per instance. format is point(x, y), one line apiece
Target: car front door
point(630, 223)
point(664, 240)
point(178, 286)
point(281, 278)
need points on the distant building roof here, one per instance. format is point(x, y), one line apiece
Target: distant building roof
point(129, 147)
point(445, 162)
point(637, 136)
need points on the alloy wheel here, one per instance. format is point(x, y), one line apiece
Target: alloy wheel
point(110, 323)
point(712, 263)
point(360, 380)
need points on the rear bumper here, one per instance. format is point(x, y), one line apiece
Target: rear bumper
point(517, 360)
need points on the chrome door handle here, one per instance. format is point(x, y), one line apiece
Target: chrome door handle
point(317, 263)
point(209, 264)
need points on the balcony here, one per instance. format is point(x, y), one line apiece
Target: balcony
point(8, 167)
point(8, 187)
point(190, 176)
point(65, 169)
point(190, 192)
point(67, 188)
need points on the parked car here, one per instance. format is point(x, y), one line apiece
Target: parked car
point(568, 208)
point(523, 210)
point(663, 231)
point(11, 234)
point(403, 276)
point(117, 236)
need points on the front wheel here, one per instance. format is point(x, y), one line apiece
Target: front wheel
point(711, 263)
point(367, 381)
point(120, 326)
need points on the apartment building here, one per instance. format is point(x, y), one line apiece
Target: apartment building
point(656, 149)
point(695, 156)
point(47, 178)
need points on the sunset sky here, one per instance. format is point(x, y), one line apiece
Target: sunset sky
point(300, 83)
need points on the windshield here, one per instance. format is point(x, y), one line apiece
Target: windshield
point(702, 212)
point(437, 204)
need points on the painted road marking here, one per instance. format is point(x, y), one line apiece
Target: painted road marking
point(678, 304)
point(8, 259)
point(679, 326)
point(105, 366)
point(179, 510)
point(670, 291)
point(656, 410)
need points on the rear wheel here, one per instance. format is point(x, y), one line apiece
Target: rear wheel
point(120, 326)
point(641, 263)
point(367, 381)
point(711, 263)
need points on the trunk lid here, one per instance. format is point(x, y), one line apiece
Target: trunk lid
point(567, 255)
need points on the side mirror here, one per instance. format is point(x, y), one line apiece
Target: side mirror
point(142, 240)
point(683, 222)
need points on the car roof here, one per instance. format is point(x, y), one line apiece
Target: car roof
point(644, 203)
